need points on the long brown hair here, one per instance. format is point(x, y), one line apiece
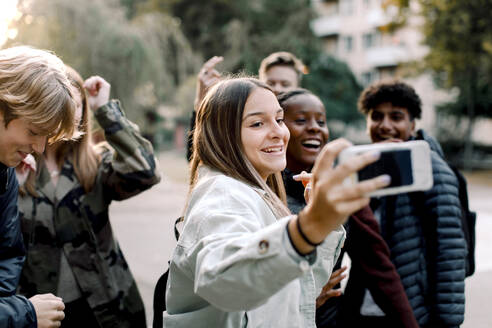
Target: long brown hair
point(217, 140)
point(84, 157)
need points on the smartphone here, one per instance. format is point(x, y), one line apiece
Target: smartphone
point(407, 163)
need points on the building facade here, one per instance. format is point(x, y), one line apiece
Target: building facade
point(355, 32)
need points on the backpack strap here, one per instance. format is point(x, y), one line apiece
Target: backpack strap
point(160, 299)
point(468, 221)
point(159, 304)
point(176, 231)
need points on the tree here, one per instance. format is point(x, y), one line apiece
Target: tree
point(246, 31)
point(335, 84)
point(252, 28)
point(459, 36)
point(131, 7)
point(149, 57)
point(143, 59)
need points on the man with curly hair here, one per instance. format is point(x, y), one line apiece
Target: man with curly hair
point(422, 230)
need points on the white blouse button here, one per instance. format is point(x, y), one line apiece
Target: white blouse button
point(304, 265)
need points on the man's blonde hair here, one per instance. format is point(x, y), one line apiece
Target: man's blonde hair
point(34, 86)
point(282, 58)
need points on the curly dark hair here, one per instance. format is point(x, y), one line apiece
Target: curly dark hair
point(397, 93)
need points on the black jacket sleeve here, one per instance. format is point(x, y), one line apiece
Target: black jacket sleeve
point(15, 311)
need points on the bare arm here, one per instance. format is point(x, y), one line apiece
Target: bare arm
point(207, 77)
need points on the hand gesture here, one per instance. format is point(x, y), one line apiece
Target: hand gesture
point(22, 170)
point(49, 310)
point(305, 178)
point(328, 291)
point(97, 91)
point(207, 77)
point(331, 201)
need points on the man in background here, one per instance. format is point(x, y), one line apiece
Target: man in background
point(422, 229)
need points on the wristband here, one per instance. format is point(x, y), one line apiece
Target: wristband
point(309, 256)
point(303, 235)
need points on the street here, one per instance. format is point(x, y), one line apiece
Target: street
point(144, 228)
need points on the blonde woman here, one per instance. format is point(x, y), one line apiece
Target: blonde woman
point(71, 249)
point(242, 258)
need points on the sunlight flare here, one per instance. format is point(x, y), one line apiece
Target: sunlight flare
point(8, 12)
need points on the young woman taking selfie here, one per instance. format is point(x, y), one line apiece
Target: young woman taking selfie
point(242, 258)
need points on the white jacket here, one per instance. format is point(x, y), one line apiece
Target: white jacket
point(234, 265)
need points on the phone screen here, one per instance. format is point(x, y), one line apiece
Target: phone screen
point(396, 163)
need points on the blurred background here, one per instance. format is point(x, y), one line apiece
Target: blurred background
point(151, 50)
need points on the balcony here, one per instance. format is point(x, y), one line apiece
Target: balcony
point(326, 26)
point(386, 56)
point(378, 17)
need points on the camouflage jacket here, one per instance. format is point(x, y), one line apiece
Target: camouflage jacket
point(67, 219)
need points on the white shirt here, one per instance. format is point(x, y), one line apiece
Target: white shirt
point(234, 265)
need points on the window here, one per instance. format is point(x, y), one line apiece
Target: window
point(348, 43)
point(370, 40)
point(387, 72)
point(366, 78)
point(367, 40)
point(346, 7)
point(369, 77)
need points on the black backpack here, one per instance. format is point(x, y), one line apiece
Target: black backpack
point(468, 221)
point(159, 305)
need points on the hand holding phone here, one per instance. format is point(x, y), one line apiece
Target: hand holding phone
point(330, 201)
point(407, 163)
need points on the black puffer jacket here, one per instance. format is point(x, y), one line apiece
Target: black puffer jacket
point(15, 311)
point(424, 234)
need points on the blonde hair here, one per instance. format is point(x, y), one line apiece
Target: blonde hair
point(217, 140)
point(82, 151)
point(282, 58)
point(34, 86)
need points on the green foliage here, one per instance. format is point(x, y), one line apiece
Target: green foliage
point(151, 50)
point(483, 103)
point(170, 56)
point(245, 30)
point(74, 32)
point(459, 36)
point(274, 25)
point(143, 59)
point(131, 7)
point(185, 96)
point(203, 22)
point(337, 87)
